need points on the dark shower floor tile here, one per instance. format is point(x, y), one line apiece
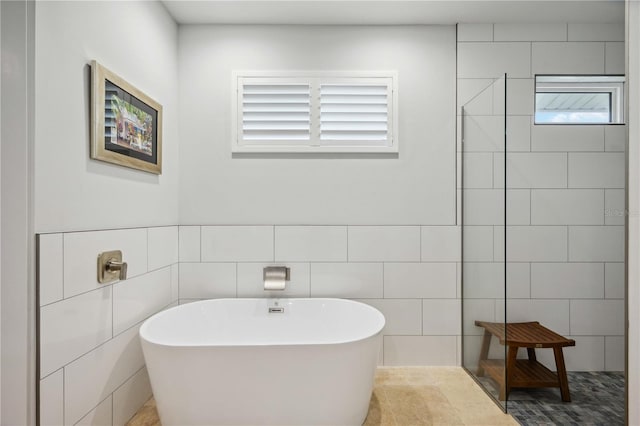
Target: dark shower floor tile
point(597, 398)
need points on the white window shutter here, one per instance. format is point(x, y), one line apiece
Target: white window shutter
point(354, 114)
point(275, 112)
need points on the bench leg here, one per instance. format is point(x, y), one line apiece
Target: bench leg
point(510, 366)
point(484, 352)
point(531, 353)
point(562, 374)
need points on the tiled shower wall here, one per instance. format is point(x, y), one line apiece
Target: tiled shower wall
point(407, 272)
point(91, 367)
point(565, 233)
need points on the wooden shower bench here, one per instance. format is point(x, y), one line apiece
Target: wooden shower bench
point(524, 373)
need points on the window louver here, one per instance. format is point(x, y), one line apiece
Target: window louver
point(276, 112)
point(354, 113)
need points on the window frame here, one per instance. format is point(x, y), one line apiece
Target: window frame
point(315, 144)
point(614, 89)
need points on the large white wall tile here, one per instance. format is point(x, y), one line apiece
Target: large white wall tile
point(207, 280)
point(530, 32)
point(251, 280)
point(163, 247)
point(483, 207)
point(518, 207)
point(441, 317)
point(102, 415)
point(596, 32)
point(189, 243)
point(614, 58)
point(384, 243)
point(129, 397)
point(349, 280)
point(420, 350)
point(596, 243)
point(553, 314)
point(614, 353)
point(86, 384)
point(567, 207)
point(615, 138)
point(519, 126)
point(567, 280)
point(475, 95)
point(533, 170)
point(475, 32)
point(50, 271)
point(72, 327)
point(614, 280)
point(311, 243)
point(537, 244)
point(614, 207)
point(483, 133)
point(52, 399)
point(478, 243)
point(82, 248)
point(477, 170)
point(440, 243)
point(138, 298)
point(491, 60)
point(175, 282)
point(567, 138)
point(402, 316)
point(590, 170)
point(237, 243)
point(597, 317)
point(419, 280)
point(487, 280)
point(567, 58)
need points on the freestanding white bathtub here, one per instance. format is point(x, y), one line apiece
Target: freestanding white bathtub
point(232, 362)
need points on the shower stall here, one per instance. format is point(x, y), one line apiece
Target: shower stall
point(541, 242)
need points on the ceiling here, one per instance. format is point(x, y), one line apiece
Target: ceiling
point(393, 12)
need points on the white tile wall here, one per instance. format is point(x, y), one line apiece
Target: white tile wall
point(52, 399)
point(553, 314)
point(537, 243)
point(137, 299)
point(349, 280)
point(251, 281)
point(419, 280)
point(567, 207)
point(384, 243)
point(614, 353)
point(596, 32)
point(189, 243)
point(475, 95)
point(72, 327)
point(530, 32)
point(475, 32)
point(491, 60)
point(441, 317)
point(604, 170)
point(89, 332)
point(478, 245)
point(614, 280)
point(597, 317)
point(487, 280)
point(311, 243)
point(163, 247)
point(567, 138)
point(207, 280)
point(440, 243)
point(615, 138)
point(534, 170)
point(596, 243)
point(567, 280)
point(403, 316)
point(614, 58)
point(567, 58)
point(237, 243)
point(82, 248)
point(478, 170)
point(420, 350)
point(50, 269)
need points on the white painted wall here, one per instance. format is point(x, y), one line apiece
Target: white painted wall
point(18, 292)
point(138, 41)
point(633, 209)
point(417, 187)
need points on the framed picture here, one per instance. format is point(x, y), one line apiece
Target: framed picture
point(126, 124)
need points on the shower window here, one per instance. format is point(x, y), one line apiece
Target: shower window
point(315, 112)
point(563, 99)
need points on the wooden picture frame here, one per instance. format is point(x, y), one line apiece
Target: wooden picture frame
point(126, 124)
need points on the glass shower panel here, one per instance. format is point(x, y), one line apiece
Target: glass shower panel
point(483, 219)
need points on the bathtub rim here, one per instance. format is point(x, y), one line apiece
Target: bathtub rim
point(145, 339)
